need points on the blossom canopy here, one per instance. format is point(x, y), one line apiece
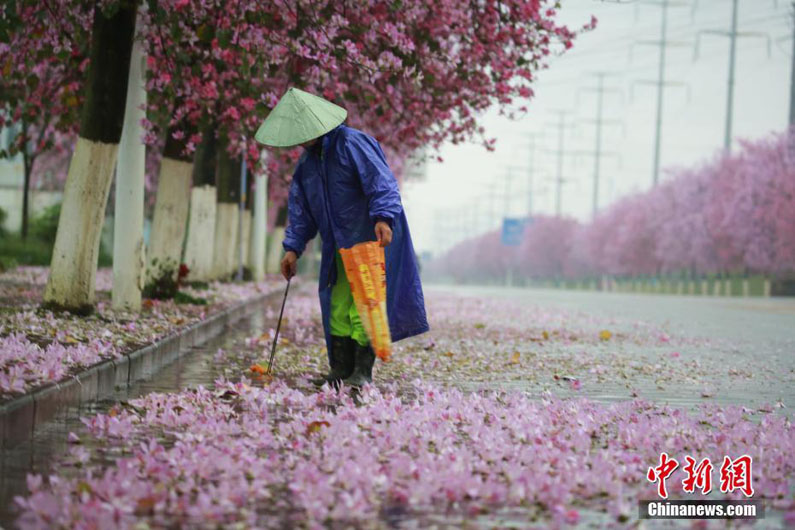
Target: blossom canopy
point(299, 117)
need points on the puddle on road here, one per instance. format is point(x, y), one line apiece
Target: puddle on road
point(756, 400)
point(40, 455)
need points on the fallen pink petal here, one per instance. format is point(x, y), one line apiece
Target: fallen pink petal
point(397, 264)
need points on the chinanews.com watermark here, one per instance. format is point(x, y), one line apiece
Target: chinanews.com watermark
point(693, 509)
point(735, 475)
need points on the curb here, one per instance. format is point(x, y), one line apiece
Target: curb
point(20, 416)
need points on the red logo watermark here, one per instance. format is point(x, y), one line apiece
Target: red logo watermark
point(734, 475)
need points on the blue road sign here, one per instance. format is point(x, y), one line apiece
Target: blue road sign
point(512, 231)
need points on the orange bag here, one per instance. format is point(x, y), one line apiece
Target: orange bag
point(365, 267)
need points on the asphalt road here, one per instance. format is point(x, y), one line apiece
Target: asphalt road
point(762, 321)
point(754, 337)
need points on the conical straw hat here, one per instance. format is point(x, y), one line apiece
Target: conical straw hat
point(299, 117)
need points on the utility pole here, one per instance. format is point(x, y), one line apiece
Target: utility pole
point(493, 195)
point(442, 231)
point(792, 74)
point(449, 227)
point(461, 220)
point(507, 203)
point(531, 169)
point(660, 90)
point(559, 177)
point(475, 218)
point(492, 209)
point(727, 135)
point(661, 82)
point(732, 34)
point(508, 200)
point(530, 173)
point(598, 122)
point(560, 152)
point(509, 196)
point(469, 225)
point(598, 149)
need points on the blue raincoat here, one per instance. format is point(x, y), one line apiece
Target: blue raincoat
point(340, 189)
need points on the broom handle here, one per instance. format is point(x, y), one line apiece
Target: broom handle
point(278, 327)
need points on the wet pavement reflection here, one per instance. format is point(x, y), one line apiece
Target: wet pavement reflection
point(41, 454)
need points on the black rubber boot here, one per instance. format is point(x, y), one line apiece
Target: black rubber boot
point(363, 367)
point(341, 361)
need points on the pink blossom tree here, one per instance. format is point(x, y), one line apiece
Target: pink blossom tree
point(43, 59)
point(412, 73)
point(757, 211)
point(733, 214)
point(546, 247)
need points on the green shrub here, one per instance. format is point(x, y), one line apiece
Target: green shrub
point(185, 298)
point(30, 252)
point(105, 258)
point(165, 281)
point(37, 249)
point(3, 217)
point(45, 225)
point(35, 252)
point(6, 264)
point(41, 235)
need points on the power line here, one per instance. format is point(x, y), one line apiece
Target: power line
point(573, 79)
point(530, 173)
point(559, 152)
point(732, 34)
point(661, 83)
point(619, 45)
point(792, 79)
point(599, 121)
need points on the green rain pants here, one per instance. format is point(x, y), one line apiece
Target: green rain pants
point(344, 319)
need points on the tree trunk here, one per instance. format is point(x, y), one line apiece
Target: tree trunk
point(244, 238)
point(201, 220)
point(169, 222)
point(27, 162)
point(244, 224)
point(260, 226)
point(129, 259)
point(226, 220)
point(74, 260)
point(275, 241)
point(275, 249)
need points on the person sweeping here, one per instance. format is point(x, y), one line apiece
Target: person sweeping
point(343, 189)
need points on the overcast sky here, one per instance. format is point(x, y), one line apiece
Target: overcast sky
point(453, 200)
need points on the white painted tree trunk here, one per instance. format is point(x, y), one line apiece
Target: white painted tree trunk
point(201, 233)
point(73, 267)
point(170, 218)
point(275, 249)
point(225, 250)
point(74, 258)
point(128, 230)
point(259, 232)
point(244, 239)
